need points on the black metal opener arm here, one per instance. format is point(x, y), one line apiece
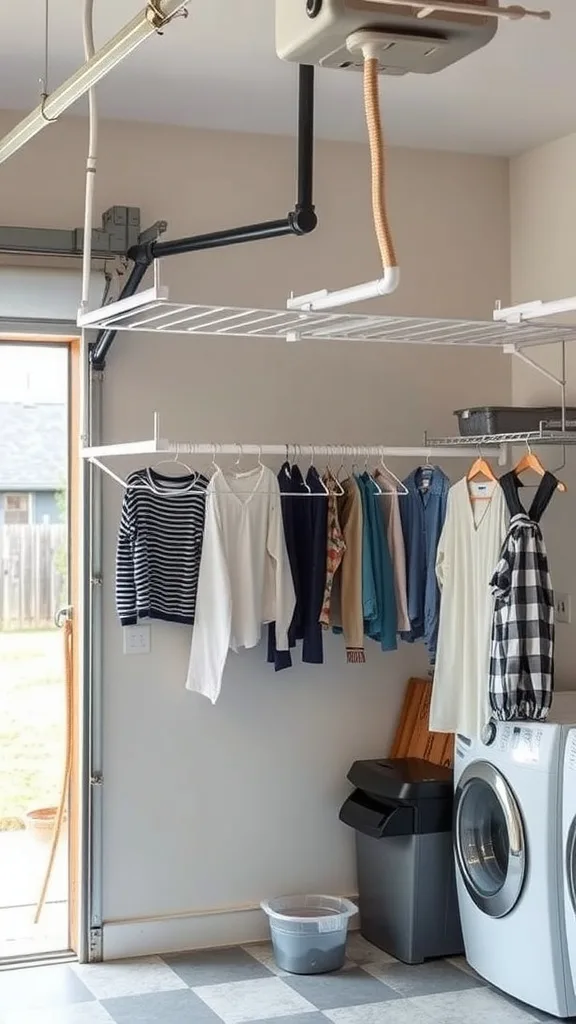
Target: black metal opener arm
point(300, 221)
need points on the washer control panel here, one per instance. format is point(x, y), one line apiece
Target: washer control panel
point(527, 743)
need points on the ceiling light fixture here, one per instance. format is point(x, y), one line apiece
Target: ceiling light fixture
point(151, 20)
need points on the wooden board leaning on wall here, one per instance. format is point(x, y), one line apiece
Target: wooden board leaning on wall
point(413, 738)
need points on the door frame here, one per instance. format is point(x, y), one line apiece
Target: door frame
point(77, 852)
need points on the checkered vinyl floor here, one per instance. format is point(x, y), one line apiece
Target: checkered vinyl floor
point(244, 986)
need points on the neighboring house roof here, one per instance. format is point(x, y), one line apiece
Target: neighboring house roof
point(33, 446)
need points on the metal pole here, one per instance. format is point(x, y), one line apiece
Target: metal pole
point(520, 354)
point(563, 385)
point(82, 616)
point(217, 239)
point(563, 420)
point(90, 628)
point(105, 338)
point(305, 137)
point(96, 708)
point(300, 221)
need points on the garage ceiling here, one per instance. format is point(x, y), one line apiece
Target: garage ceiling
point(218, 70)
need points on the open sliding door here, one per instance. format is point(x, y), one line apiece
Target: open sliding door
point(38, 310)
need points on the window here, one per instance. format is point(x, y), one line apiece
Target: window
point(16, 509)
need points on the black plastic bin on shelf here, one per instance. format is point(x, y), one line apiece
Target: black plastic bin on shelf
point(509, 419)
point(401, 811)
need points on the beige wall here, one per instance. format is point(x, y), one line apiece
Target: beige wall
point(215, 807)
point(543, 225)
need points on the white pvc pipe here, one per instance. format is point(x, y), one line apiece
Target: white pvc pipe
point(384, 285)
point(535, 310)
point(93, 71)
point(88, 37)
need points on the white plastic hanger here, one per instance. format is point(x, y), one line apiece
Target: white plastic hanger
point(388, 474)
point(212, 466)
point(147, 484)
point(176, 461)
point(377, 489)
point(338, 490)
point(325, 492)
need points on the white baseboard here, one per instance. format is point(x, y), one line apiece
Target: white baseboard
point(195, 930)
point(177, 934)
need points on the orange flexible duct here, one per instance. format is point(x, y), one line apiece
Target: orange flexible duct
point(375, 136)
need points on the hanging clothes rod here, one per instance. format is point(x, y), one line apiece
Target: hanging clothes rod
point(285, 451)
point(296, 450)
point(159, 446)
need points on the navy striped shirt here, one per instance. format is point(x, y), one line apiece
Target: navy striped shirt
point(159, 547)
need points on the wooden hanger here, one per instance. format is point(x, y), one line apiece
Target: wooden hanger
point(481, 468)
point(531, 461)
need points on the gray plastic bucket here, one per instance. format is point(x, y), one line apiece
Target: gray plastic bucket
point(309, 932)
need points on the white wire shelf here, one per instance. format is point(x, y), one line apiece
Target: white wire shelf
point(532, 437)
point(151, 310)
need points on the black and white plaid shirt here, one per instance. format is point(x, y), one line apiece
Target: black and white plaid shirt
point(522, 650)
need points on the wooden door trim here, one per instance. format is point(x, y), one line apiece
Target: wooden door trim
point(15, 338)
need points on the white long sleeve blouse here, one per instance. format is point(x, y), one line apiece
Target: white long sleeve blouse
point(245, 578)
point(468, 552)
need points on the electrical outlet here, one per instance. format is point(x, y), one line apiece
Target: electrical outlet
point(563, 607)
point(136, 639)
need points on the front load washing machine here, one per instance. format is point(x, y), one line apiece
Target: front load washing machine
point(568, 848)
point(506, 838)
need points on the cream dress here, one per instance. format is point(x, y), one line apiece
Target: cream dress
point(468, 552)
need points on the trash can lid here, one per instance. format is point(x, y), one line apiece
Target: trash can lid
point(405, 779)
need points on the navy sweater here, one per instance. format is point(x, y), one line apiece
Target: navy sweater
point(305, 528)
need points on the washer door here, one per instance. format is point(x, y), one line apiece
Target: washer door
point(571, 864)
point(489, 839)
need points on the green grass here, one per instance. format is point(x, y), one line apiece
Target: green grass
point(32, 713)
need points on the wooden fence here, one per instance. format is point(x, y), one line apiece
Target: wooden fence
point(32, 575)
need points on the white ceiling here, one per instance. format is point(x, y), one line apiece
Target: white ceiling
point(218, 69)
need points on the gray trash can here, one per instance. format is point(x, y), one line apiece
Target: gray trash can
point(401, 811)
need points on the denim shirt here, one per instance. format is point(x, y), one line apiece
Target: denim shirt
point(423, 511)
point(381, 624)
point(369, 597)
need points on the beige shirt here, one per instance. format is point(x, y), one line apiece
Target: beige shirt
point(390, 508)
point(346, 604)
